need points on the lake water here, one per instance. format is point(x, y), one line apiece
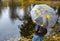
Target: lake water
point(8, 29)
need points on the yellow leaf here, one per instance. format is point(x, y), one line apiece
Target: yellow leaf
point(38, 11)
point(54, 36)
point(34, 21)
point(44, 7)
point(47, 37)
point(41, 25)
point(34, 14)
point(48, 16)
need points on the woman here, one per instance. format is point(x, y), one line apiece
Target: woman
point(40, 31)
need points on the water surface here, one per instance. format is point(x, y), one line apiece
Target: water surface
point(8, 29)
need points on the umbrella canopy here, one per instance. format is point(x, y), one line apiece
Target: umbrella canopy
point(44, 15)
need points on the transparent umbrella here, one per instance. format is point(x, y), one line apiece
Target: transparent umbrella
point(44, 15)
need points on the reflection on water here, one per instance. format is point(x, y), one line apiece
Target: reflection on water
point(8, 30)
